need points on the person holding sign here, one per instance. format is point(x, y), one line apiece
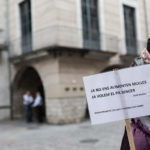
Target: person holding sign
point(140, 126)
point(124, 96)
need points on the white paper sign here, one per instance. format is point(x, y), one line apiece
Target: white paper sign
point(118, 95)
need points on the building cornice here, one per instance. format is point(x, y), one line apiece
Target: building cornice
point(58, 51)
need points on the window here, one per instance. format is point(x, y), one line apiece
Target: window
point(130, 29)
point(90, 24)
point(26, 26)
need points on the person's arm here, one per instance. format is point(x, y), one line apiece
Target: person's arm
point(24, 99)
point(37, 101)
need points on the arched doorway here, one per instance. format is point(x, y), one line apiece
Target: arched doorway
point(26, 79)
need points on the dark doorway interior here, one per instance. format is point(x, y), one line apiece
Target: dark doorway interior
point(41, 90)
point(87, 116)
point(26, 79)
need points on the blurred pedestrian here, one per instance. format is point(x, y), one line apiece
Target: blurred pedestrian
point(27, 101)
point(38, 107)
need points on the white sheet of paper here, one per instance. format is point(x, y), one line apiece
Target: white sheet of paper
point(118, 95)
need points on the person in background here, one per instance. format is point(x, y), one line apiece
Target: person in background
point(141, 125)
point(38, 107)
point(27, 101)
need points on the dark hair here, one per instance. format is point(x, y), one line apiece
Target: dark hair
point(148, 45)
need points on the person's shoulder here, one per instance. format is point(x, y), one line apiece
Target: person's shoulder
point(24, 95)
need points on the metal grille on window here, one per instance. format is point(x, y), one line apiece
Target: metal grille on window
point(91, 36)
point(26, 26)
point(130, 30)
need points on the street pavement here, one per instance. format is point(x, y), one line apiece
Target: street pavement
point(17, 135)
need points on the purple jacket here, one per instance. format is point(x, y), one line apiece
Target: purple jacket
point(141, 136)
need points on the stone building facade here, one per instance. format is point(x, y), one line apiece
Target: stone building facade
point(4, 71)
point(52, 44)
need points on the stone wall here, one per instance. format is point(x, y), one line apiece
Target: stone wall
point(69, 23)
point(66, 110)
point(4, 76)
point(4, 114)
point(4, 86)
point(3, 16)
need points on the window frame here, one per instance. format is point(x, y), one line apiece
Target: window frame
point(134, 4)
point(130, 48)
point(88, 40)
point(26, 25)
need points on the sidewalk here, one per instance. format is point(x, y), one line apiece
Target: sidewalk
point(17, 135)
